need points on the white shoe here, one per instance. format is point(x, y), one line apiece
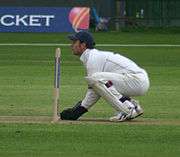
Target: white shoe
point(120, 117)
point(136, 111)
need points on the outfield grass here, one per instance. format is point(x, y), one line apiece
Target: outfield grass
point(26, 89)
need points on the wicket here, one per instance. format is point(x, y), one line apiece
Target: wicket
point(56, 117)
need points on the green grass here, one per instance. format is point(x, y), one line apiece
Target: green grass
point(111, 37)
point(26, 88)
point(88, 140)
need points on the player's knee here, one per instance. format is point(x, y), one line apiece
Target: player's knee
point(93, 79)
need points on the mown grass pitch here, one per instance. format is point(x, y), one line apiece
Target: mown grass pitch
point(26, 89)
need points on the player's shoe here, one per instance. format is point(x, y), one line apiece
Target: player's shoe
point(137, 111)
point(120, 117)
point(134, 112)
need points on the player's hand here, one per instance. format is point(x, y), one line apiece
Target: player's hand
point(73, 113)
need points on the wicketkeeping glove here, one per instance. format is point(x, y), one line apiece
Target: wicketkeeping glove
point(73, 113)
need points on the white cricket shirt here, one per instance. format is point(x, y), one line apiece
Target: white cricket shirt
point(103, 61)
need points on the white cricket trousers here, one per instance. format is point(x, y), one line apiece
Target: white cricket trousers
point(127, 84)
point(124, 84)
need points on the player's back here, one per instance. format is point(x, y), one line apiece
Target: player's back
point(118, 63)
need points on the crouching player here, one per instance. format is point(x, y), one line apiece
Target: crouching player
point(111, 76)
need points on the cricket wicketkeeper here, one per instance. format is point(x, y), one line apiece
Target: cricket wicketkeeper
point(111, 76)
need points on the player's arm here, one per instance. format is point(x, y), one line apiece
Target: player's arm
point(90, 99)
point(81, 107)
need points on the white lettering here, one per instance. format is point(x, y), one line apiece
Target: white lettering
point(21, 20)
point(34, 20)
point(48, 17)
point(3, 18)
point(26, 20)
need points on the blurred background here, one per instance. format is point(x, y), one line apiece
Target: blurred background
point(116, 14)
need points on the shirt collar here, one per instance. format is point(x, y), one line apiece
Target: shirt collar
point(85, 55)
